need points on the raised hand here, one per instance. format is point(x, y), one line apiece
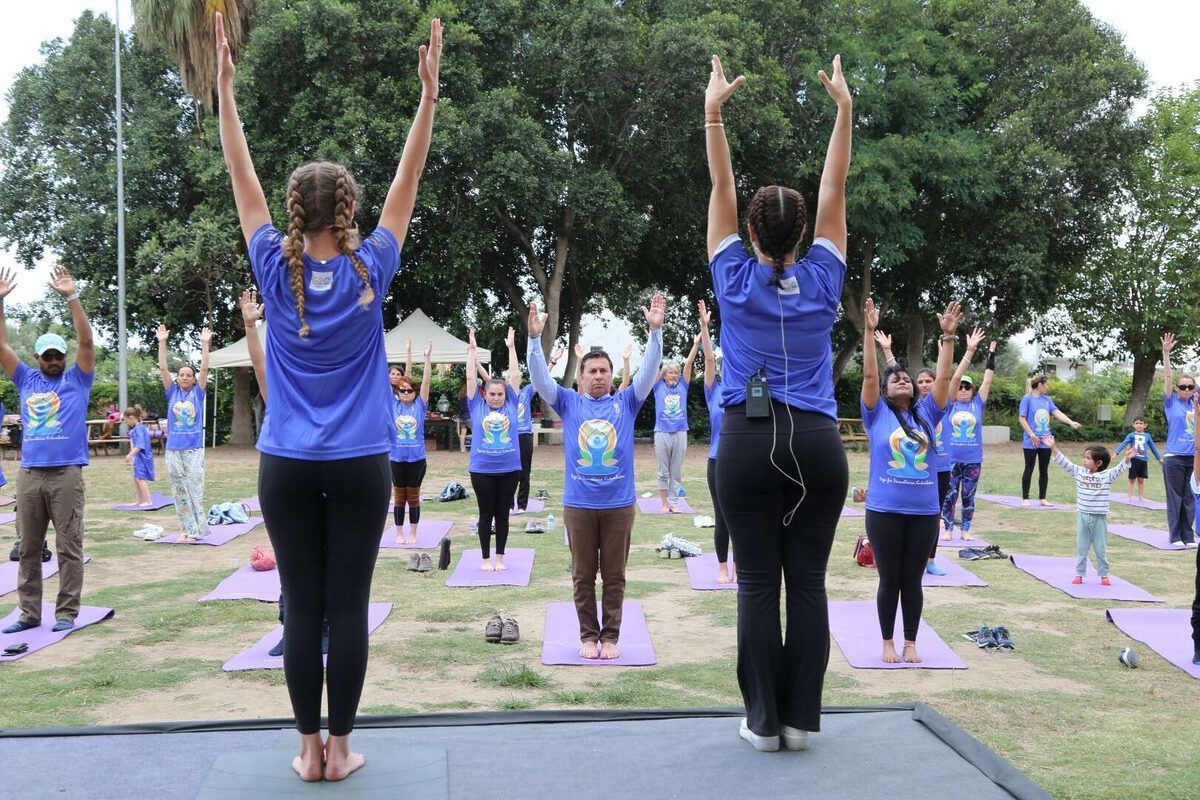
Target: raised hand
point(8, 281)
point(429, 59)
point(535, 322)
point(225, 67)
point(471, 339)
point(61, 281)
point(974, 338)
point(836, 86)
point(950, 319)
point(558, 353)
point(428, 349)
point(883, 340)
point(705, 314)
point(578, 352)
point(870, 315)
point(992, 346)
point(1168, 343)
point(628, 354)
point(656, 313)
point(206, 335)
point(511, 339)
point(251, 311)
point(408, 343)
point(162, 334)
point(719, 89)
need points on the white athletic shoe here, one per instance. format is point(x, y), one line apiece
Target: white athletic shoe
point(764, 744)
point(140, 533)
point(794, 738)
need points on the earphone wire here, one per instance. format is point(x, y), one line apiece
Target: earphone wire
point(799, 479)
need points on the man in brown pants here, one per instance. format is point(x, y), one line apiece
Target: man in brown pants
point(598, 502)
point(54, 402)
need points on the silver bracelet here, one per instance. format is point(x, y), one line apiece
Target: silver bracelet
point(74, 296)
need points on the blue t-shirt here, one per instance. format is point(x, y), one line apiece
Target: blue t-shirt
point(1142, 444)
point(598, 445)
point(494, 447)
point(55, 416)
point(143, 461)
point(409, 426)
point(902, 478)
point(1036, 411)
point(1181, 427)
point(185, 417)
point(929, 409)
point(524, 409)
point(670, 407)
point(716, 413)
point(965, 421)
point(751, 336)
point(329, 392)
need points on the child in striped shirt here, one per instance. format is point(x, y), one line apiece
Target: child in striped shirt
point(1092, 483)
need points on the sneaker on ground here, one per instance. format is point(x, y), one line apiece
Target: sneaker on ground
point(1077, 580)
point(414, 562)
point(763, 744)
point(63, 625)
point(493, 630)
point(46, 554)
point(934, 569)
point(794, 738)
point(277, 650)
point(1105, 581)
point(510, 633)
point(18, 626)
point(425, 563)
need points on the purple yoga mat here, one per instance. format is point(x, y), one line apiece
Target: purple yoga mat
point(9, 569)
point(560, 644)
point(247, 584)
point(653, 505)
point(1059, 570)
point(42, 636)
point(1153, 505)
point(157, 501)
point(1015, 502)
point(468, 571)
point(1166, 631)
point(1160, 540)
point(534, 507)
point(258, 656)
point(252, 503)
point(847, 511)
point(429, 533)
point(7, 518)
point(702, 572)
point(7, 501)
point(955, 575)
point(854, 625)
point(958, 542)
point(217, 534)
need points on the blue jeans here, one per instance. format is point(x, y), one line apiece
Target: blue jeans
point(1092, 531)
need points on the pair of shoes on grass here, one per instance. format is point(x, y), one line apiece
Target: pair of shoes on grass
point(991, 639)
point(791, 739)
point(419, 562)
point(981, 553)
point(504, 631)
point(149, 532)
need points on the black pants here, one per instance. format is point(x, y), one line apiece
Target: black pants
point(1181, 503)
point(324, 519)
point(781, 676)
point(494, 491)
point(1196, 612)
point(720, 531)
point(1042, 456)
point(943, 488)
point(900, 544)
point(525, 440)
point(407, 477)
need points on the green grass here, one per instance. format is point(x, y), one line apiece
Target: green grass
point(512, 676)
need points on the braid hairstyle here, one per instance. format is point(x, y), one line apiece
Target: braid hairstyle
point(344, 193)
point(293, 246)
point(778, 218)
point(911, 408)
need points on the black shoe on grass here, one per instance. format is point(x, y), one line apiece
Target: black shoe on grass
point(510, 634)
point(493, 630)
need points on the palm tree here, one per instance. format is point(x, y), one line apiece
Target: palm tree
point(184, 28)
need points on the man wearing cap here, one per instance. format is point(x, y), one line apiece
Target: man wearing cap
point(53, 403)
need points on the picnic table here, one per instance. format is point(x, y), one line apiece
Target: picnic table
point(852, 430)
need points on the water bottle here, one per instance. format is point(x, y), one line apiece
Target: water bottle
point(550, 522)
point(682, 493)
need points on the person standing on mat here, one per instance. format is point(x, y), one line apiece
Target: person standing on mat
point(140, 457)
point(1180, 444)
point(408, 446)
point(726, 570)
point(1142, 444)
point(598, 499)
point(1093, 481)
point(965, 419)
point(1194, 488)
point(524, 421)
point(323, 473)
point(1034, 415)
point(782, 475)
point(495, 465)
point(902, 502)
point(671, 428)
point(54, 402)
point(185, 436)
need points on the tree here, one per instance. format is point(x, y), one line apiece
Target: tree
point(1141, 279)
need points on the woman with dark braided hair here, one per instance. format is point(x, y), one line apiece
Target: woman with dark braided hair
point(781, 472)
point(902, 493)
point(323, 474)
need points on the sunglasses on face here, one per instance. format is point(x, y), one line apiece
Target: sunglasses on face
point(403, 390)
point(52, 355)
point(1185, 387)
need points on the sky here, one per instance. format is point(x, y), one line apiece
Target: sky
point(1160, 32)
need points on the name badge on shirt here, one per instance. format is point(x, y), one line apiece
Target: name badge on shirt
point(321, 281)
point(789, 285)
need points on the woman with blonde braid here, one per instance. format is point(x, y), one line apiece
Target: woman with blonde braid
point(323, 473)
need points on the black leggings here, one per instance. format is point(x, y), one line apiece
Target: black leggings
point(407, 477)
point(781, 677)
point(324, 519)
point(494, 491)
point(943, 488)
point(1042, 455)
point(900, 544)
point(525, 440)
point(720, 532)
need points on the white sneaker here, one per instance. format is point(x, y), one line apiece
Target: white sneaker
point(1193, 543)
point(763, 744)
point(794, 738)
point(140, 533)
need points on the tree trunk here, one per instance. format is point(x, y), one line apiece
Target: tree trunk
point(916, 341)
point(241, 430)
point(842, 358)
point(1144, 367)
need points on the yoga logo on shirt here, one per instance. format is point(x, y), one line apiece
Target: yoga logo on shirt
point(42, 411)
point(520, 412)
point(672, 407)
point(495, 431)
point(185, 414)
point(938, 444)
point(962, 426)
point(1190, 430)
point(1041, 422)
point(597, 448)
point(908, 456)
point(406, 429)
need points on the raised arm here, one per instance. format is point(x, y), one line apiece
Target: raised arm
point(473, 367)
point(251, 313)
point(626, 370)
point(85, 348)
point(426, 373)
point(539, 375)
point(164, 372)
point(402, 195)
point(1196, 456)
point(648, 371)
point(884, 340)
point(973, 340)
point(205, 348)
point(722, 200)
point(690, 361)
point(579, 354)
point(252, 208)
point(949, 324)
point(988, 373)
point(831, 200)
point(710, 361)
point(408, 357)
point(870, 380)
point(1168, 344)
point(8, 357)
point(514, 366)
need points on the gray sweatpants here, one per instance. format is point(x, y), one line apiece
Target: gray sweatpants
point(670, 447)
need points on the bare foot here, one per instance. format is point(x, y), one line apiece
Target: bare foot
point(967, 537)
point(910, 653)
point(722, 573)
point(732, 573)
point(184, 538)
point(889, 653)
point(947, 534)
point(308, 769)
point(308, 765)
point(1045, 502)
point(1024, 504)
point(671, 510)
point(589, 650)
point(609, 651)
point(500, 563)
point(666, 509)
point(488, 566)
point(339, 761)
point(146, 504)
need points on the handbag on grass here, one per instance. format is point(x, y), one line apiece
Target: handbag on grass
point(862, 552)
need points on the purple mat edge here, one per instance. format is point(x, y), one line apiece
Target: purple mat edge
point(160, 501)
point(84, 620)
point(940, 645)
point(512, 560)
point(210, 540)
point(1118, 583)
point(264, 644)
point(1126, 532)
point(246, 570)
point(698, 568)
point(1183, 662)
point(683, 506)
point(630, 610)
